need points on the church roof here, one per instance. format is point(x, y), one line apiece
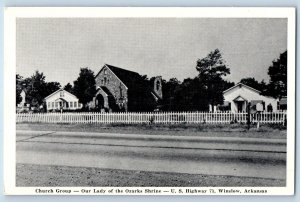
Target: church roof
point(132, 80)
point(129, 78)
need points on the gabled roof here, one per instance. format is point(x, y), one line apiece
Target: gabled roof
point(106, 91)
point(128, 78)
point(61, 89)
point(239, 98)
point(241, 85)
point(132, 80)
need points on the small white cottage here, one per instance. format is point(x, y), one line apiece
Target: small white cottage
point(237, 98)
point(62, 99)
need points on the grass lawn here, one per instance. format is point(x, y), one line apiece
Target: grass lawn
point(44, 175)
point(234, 130)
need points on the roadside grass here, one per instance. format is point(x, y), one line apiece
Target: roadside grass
point(220, 130)
point(64, 176)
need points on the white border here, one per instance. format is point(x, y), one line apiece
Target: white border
point(116, 12)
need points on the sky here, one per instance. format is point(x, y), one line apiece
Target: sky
point(167, 47)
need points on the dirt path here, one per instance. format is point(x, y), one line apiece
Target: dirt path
point(45, 175)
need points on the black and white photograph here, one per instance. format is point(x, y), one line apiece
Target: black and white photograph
point(150, 101)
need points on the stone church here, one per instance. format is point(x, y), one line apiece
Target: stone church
point(123, 90)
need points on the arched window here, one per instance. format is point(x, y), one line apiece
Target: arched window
point(105, 80)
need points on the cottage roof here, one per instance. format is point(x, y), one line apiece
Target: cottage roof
point(239, 98)
point(241, 85)
point(61, 89)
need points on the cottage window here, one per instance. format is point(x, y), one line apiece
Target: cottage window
point(52, 104)
point(61, 93)
point(56, 104)
point(75, 104)
point(48, 104)
point(71, 104)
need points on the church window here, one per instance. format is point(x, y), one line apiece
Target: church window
point(105, 80)
point(105, 71)
point(102, 82)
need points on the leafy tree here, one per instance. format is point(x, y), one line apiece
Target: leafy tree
point(191, 95)
point(51, 87)
point(36, 88)
point(169, 88)
point(211, 70)
point(212, 66)
point(227, 84)
point(69, 88)
point(277, 87)
point(252, 82)
point(84, 86)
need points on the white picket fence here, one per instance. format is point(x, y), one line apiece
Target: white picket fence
point(152, 117)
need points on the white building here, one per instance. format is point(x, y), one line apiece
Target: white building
point(23, 106)
point(238, 97)
point(62, 99)
point(23, 96)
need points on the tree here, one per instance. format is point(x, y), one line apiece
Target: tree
point(191, 95)
point(51, 87)
point(19, 88)
point(36, 88)
point(211, 70)
point(212, 66)
point(169, 88)
point(277, 87)
point(69, 88)
point(252, 82)
point(84, 86)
